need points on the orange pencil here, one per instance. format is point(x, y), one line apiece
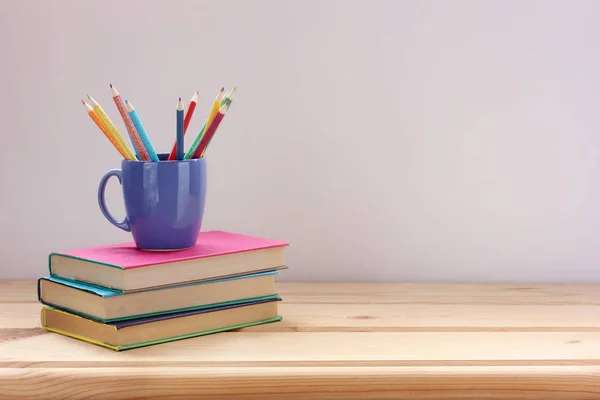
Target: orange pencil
point(94, 116)
point(111, 127)
point(136, 140)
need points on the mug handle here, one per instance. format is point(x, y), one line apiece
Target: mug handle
point(101, 202)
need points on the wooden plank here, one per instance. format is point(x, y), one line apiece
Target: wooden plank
point(317, 317)
point(333, 383)
point(551, 294)
point(433, 293)
point(414, 293)
point(20, 315)
point(7, 335)
point(18, 291)
point(252, 349)
point(392, 293)
point(337, 341)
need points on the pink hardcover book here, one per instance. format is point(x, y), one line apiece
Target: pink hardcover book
point(123, 266)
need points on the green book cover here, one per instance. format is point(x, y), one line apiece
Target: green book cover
point(119, 325)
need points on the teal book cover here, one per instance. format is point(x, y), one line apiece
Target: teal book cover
point(101, 295)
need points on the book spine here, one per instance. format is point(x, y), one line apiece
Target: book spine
point(39, 290)
point(50, 264)
point(69, 334)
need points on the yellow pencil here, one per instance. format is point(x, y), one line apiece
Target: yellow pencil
point(112, 128)
point(215, 108)
point(94, 116)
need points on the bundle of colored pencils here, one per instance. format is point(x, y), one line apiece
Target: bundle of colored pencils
point(142, 147)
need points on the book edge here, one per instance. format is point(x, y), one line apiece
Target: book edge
point(69, 334)
point(51, 278)
point(268, 298)
point(196, 334)
point(147, 264)
point(117, 292)
point(168, 286)
point(39, 289)
point(153, 342)
point(274, 244)
point(121, 267)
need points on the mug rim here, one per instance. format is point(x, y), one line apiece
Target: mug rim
point(163, 161)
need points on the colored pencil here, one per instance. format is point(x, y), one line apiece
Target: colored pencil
point(141, 131)
point(215, 107)
point(111, 127)
point(229, 97)
point(213, 111)
point(194, 145)
point(180, 133)
point(94, 116)
point(186, 121)
point(227, 100)
point(189, 112)
point(136, 141)
point(210, 132)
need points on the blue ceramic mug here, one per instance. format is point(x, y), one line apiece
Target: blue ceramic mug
point(164, 201)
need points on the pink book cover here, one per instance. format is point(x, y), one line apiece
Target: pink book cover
point(210, 244)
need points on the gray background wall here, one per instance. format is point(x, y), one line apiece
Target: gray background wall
point(386, 140)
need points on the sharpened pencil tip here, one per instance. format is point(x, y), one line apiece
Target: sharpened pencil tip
point(111, 85)
point(126, 101)
point(83, 102)
point(180, 99)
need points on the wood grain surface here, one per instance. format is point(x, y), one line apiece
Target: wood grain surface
point(336, 341)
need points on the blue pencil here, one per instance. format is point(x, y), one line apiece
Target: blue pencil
point(180, 133)
point(141, 131)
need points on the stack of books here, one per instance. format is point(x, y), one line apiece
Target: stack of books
point(120, 297)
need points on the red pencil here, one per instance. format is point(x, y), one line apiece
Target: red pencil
point(208, 135)
point(189, 111)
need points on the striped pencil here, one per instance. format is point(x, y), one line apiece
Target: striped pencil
point(179, 141)
point(136, 141)
point(141, 131)
point(94, 116)
point(111, 127)
point(194, 145)
point(207, 137)
point(187, 118)
point(213, 111)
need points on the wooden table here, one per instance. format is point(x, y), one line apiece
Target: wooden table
point(337, 341)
